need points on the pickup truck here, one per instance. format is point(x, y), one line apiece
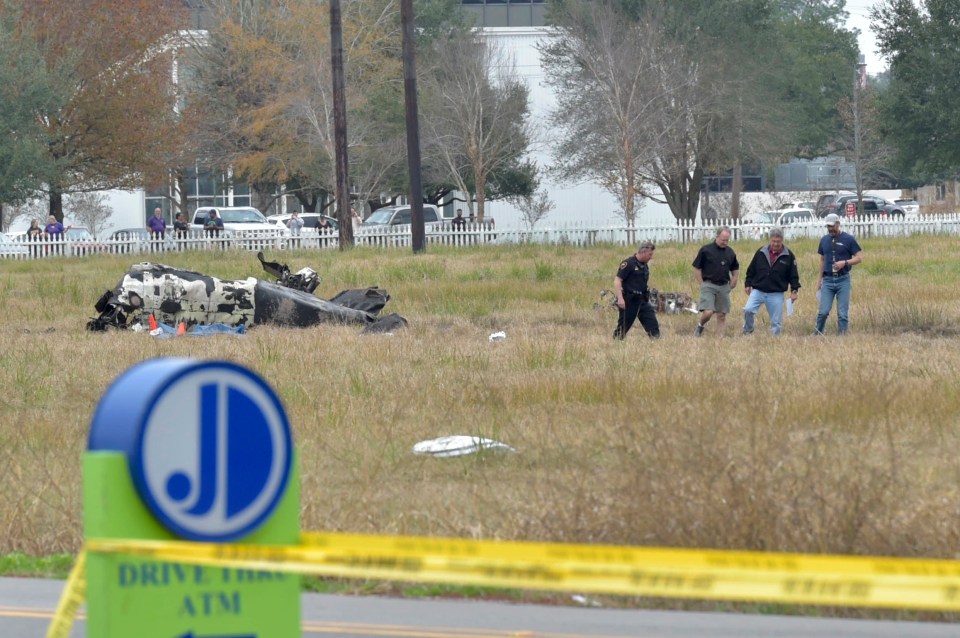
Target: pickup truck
point(243, 226)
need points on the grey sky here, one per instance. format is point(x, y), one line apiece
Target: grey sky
point(859, 19)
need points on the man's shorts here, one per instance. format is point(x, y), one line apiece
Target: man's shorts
point(714, 297)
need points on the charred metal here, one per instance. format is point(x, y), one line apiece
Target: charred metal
point(173, 295)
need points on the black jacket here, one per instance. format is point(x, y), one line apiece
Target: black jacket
point(776, 277)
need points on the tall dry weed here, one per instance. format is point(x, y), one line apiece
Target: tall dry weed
point(795, 444)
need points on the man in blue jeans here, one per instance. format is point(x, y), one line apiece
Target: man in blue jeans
point(772, 271)
point(838, 252)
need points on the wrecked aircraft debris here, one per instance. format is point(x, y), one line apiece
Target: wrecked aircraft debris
point(173, 295)
point(456, 445)
point(305, 279)
point(671, 303)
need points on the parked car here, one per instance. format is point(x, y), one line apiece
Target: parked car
point(10, 248)
point(811, 206)
point(129, 240)
point(794, 216)
point(756, 225)
point(911, 207)
point(827, 204)
point(244, 226)
point(399, 215)
point(872, 207)
point(82, 242)
point(234, 218)
point(310, 221)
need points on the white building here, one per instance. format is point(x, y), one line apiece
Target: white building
point(575, 203)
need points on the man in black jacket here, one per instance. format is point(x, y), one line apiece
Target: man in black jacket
point(772, 271)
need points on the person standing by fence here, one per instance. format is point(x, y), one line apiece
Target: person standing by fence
point(213, 225)
point(295, 224)
point(53, 229)
point(34, 236)
point(838, 252)
point(630, 286)
point(157, 225)
point(458, 224)
point(53, 232)
point(180, 227)
point(716, 269)
point(355, 220)
point(325, 230)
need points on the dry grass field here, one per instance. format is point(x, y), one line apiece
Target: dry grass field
point(799, 444)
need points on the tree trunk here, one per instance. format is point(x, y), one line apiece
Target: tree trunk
point(481, 198)
point(259, 197)
point(682, 193)
point(629, 210)
point(735, 189)
point(56, 204)
point(308, 202)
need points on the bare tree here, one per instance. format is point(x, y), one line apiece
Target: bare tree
point(475, 113)
point(861, 142)
point(90, 210)
point(535, 207)
point(8, 215)
point(623, 92)
point(31, 209)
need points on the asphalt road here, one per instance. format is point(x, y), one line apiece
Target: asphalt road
point(26, 607)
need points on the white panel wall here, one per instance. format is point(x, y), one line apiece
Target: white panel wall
point(584, 202)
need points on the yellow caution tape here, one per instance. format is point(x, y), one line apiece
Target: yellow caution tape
point(70, 600)
point(635, 571)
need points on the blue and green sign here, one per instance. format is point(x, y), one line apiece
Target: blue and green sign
point(201, 451)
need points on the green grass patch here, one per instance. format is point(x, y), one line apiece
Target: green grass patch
point(54, 566)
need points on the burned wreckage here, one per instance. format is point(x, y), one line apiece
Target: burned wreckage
point(172, 296)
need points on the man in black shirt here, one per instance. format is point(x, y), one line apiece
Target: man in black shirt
point(180, 227)
point(459, 223)
point(630, 286)
point(717, 270)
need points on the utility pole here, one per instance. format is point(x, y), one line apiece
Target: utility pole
point(340, 128)
point(858, 82)
point(413, 126)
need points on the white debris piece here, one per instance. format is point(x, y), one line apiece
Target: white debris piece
point(498, 336)
point(580, 599)
point(459, 445)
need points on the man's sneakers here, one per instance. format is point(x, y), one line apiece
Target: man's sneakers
point(698, 331)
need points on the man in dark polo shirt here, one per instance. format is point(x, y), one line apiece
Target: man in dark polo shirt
point(717, 270)
point(630, 286)
point(838, 252)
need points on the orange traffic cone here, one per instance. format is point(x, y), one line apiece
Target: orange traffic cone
point(182, 328)
point(153, 322)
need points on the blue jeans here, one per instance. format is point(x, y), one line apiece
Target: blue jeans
point(838, 287)
point(774, 303)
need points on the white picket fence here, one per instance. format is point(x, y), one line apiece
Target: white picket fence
point(480, 234)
